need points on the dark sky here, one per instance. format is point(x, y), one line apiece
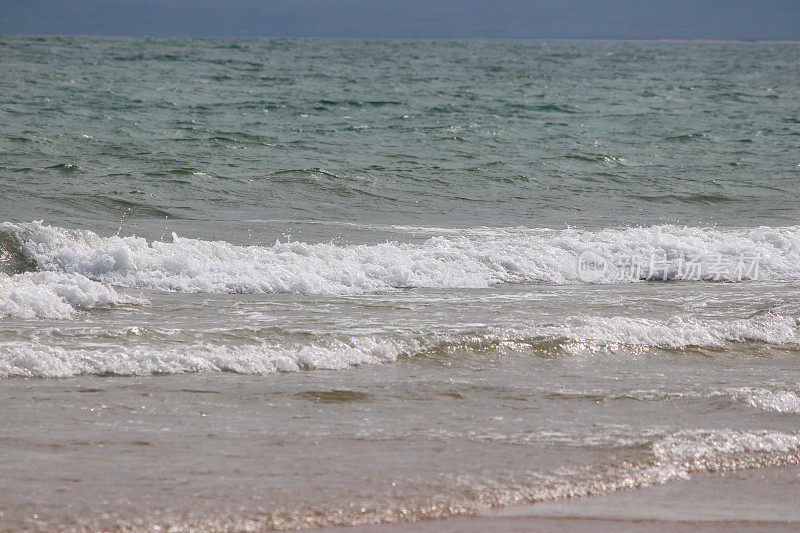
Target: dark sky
point(592, 19)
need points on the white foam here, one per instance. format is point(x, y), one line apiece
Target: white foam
point(725, 449)
point(777, 401)
point(678, 332)
point(592, 337)
point(23, 359)
point(674, 455)
point(469, 260)
point(54, 295)
point(677, 455)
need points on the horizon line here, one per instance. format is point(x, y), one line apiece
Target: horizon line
point(698, 40)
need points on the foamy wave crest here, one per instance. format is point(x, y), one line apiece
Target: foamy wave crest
point(726, 449)
point(29, 360)
point(671, 456)
point(588, 337)
point(674, 456)
point(53, 295)
point(469, 260)
point(777, 401)
point(679, 332)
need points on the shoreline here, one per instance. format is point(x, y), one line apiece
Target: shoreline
point(765, 498)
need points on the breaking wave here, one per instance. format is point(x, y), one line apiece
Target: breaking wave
point(467, 260)
point(54, 295)
point(776, 401)
point(585, 337)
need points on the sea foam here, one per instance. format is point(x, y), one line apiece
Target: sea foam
point(54, 295)
point(468, 260)
point(778, 401)
point(678, 331)
point(25, 359)
point(584, 337)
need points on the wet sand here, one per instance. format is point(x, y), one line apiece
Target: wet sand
point(764, 500)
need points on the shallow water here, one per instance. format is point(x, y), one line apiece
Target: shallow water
point(295, 282)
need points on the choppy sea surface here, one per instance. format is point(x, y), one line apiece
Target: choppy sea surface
point(280, 283)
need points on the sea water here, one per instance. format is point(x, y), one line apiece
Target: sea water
point(249, 283)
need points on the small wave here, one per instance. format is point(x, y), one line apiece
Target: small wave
point(727, 450)
point(669, 457)
point(66, 167)
point(55, 295)
point(359, 103)
point(588, 337)
point(116, 202)
point(468, 260)
point(698, 199)
point(676, 332)
point(558, 108)
point(18, 359)
point(777, 401)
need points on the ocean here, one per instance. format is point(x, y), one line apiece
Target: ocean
point(284, 283)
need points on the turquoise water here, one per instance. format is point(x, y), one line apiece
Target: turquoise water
point(231, 270)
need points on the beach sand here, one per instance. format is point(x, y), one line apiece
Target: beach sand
point(764, 500)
